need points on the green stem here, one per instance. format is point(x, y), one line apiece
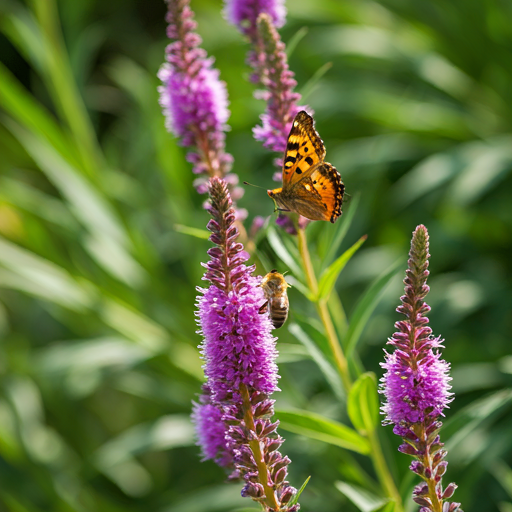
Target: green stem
point(323, 312)
point(426, 460)
point(263, 478)
point(382, 470)
point(379, 463)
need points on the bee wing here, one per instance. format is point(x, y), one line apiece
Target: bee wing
point(263, 308)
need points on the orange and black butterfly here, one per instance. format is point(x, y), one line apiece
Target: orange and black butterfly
point(311, 187)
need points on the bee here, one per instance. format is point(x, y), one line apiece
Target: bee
point(274, 287)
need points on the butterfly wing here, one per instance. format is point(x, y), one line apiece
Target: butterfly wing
point(311, 187)
point(304, 150)
point(318, 195)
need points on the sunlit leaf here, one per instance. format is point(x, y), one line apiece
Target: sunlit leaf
point(317, 427)
point(331, 273)
point(282, 252)
point(363, 499)
point(363, 403)
point(195, 232)
point(341, 227)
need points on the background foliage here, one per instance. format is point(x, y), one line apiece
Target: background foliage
point(98, 360)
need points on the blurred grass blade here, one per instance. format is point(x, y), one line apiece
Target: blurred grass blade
point(41, 278)
point(363, 499)
point(365, 307)
point(88, 204)
point(221, 498)
point(20, 27)
point(313, 425)
point(62, 86)
point(340, 230)
point(331, 375)
point(311, 83)
point(108, 241)
point(17, 101)
point(469, 420)
point(116, 457)
point(295, 40)
point(330, 275)
point(503, 473)
point(363, 404)
point(167, 432)
point(31, 199)
point(195, 232)
point(282, 252)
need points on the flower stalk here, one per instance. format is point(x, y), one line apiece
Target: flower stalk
point(417, 385)
point(194, 99)
point(239, 353)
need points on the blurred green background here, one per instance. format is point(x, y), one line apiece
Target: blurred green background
point(98, 358)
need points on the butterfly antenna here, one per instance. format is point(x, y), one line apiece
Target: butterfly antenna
point(257, 186)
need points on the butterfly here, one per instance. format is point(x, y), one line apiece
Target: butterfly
point(311, 187)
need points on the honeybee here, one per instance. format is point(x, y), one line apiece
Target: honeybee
point(274, 287)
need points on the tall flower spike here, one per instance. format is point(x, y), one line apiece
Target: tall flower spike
point(279, 84)
point(239, 354)
point(416, 384)
point(193, 98)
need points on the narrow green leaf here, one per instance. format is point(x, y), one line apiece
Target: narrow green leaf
point(340, 230)
point(331, 273)
point(310, 84)
point(330, 374)
point(295, 499)
point(363, 403)
point(295, 40)
point(363, 499)
point(365, 307)
point(282, 252)
point(195, 232)
point(318, 427)
point(390, 506)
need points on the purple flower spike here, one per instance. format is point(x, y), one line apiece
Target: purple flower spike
point(244, 14)
point(417, 385)
point(239, 354)
point(276, 77)
point(193, 98)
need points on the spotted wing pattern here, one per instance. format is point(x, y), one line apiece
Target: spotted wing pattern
point(304, 149)
point(311, 187)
